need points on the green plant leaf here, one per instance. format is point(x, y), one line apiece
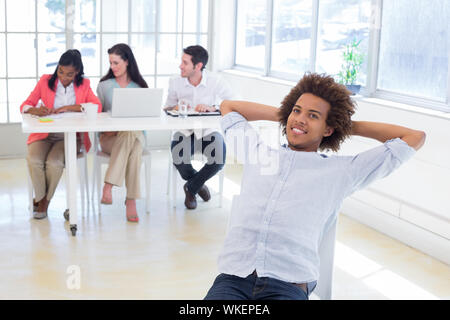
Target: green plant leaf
point(353, 59)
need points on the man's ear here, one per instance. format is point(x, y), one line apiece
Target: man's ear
point(199, 66)
point(328, 131)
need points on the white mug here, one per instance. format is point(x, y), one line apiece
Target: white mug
point(91, 111)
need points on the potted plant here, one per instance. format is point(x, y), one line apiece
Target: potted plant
point(353, 60)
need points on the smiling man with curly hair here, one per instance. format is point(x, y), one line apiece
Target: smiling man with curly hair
point(332, 97)
point(278, 221)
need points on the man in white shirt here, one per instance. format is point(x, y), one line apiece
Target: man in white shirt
point(278, 221)
point(204, 92)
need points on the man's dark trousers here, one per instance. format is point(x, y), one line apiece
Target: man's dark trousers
point(212, 146)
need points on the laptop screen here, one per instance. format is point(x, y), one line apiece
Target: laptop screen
point(136, 102)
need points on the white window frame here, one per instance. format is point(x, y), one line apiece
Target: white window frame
point(70, 35)
point(370, 90)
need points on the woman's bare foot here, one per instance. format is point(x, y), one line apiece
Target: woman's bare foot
point(107, 194)
point(132, 215)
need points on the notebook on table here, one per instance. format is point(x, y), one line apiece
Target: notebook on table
point(192, 113)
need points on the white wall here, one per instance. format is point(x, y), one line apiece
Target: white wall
point(413, 204)
point(13, 141)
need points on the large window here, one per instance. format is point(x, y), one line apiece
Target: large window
point(404, 43)
point(31, 35)
point(251, 35)
point(34, 34)
point(340, 23)
point(291, 36)
point(414, 49)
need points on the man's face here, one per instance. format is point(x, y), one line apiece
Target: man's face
point(187, 67)
point(306, 125)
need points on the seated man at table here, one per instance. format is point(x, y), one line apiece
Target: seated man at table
point(204, 92)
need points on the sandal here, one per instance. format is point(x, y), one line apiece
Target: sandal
point(106, 200)
point(41, 211)
point(35, 205)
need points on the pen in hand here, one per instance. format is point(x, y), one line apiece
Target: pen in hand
point(40, 111)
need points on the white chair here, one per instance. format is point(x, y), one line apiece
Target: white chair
point(326, 253)
point(173, 177)
point(103, 158)
point(83, 183)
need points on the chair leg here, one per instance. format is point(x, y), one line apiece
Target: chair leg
point(82, 182)
point(67, 188)
point(169, 175)
point(86, 178)
point(94, 176)
point(148, 167)
point(174, 185)
point(98, 172)
point(221, 179)
point(30, 194)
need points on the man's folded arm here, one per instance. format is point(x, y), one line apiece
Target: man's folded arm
point(384, 132)
point(251, 111)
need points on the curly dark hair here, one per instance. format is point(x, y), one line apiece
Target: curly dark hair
point(341, 110)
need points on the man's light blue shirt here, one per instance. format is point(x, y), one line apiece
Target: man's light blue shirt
point(278, 220)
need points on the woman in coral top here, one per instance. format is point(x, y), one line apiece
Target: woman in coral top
point(66, 90)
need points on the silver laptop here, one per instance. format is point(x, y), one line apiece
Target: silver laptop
point(136, 102)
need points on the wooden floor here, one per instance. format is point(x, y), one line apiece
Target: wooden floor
point(172, 252)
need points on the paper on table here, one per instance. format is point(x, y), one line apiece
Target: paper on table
point(66, 115)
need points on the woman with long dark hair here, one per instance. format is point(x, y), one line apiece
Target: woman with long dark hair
point(66, 90)
point(125, 147)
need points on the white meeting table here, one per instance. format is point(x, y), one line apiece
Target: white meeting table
point(71, 123)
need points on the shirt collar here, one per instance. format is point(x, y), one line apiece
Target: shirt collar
point(286, 147)
point(202, 82)
point(61, 87)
